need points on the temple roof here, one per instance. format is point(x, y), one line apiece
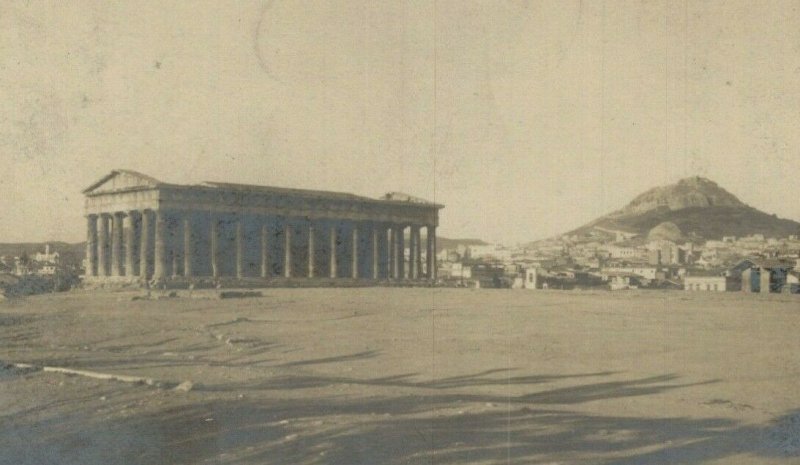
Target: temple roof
point(121, 180)
point(283, 190)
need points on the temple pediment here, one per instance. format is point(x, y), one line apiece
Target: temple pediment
point(120, 181)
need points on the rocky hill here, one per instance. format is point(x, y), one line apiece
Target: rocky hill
point(687, 193)
point(692, 209)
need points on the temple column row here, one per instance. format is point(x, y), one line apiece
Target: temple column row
point(135, 244)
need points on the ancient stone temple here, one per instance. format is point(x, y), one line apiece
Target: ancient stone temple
point(142, 229)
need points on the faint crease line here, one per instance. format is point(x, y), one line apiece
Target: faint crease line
point(574, 36)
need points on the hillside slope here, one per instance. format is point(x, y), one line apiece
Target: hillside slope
point(701, 210)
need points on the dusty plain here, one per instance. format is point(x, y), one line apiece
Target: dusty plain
point(403, 376)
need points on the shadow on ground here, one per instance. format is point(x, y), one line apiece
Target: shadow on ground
point(425, 423)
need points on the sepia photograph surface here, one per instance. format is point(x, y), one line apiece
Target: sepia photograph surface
point(365, 232)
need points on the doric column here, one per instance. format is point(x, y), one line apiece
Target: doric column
point(430, 259)
point(214, 239)
point(414, 256)
point(91, 245)
point(375, 250)
point(174, 264)
point(116, 244)
point(144, 247)
point(172, 234)
point(435, 268)
point(160, 261)
point(333, 251)
point(418, 248)
point(392, 246)
point(102, 245)
point(265, 272)
point(354, 261)
point(130, 238)
point(428, 253)
point(239, 249)
point(311, 246)
point(287, 252)
point(388, 249)
point(188, 246)
point(401, 252)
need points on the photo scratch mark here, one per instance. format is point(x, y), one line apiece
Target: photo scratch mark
point(257, 36)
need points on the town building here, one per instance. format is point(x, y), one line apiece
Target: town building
point(143, 229)
point(714, 283)
point(532, 279)
point(764, 275)
point(22, 266)
point(621, 280)
point(46, 257)
point(792, 282)
point(460, 271)
point(623, 252)
point(647, 273)
point(42, 268)
point(663, 252)
point(488, 252)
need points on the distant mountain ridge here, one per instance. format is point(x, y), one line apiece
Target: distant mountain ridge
point(692, 209)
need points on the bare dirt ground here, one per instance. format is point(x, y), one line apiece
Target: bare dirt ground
point(416, 376)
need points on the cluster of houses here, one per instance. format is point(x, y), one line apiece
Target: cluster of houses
point(35, 273)
point(624, 261)
point(40, 263)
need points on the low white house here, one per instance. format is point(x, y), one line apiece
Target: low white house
point(705, 283)
point(615, 251)
point(459, 270)
point(621, 280)
point(47, 269)
point(646, 272)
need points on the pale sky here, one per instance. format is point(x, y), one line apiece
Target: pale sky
point(525, 118)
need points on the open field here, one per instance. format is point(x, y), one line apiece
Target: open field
point(417, 376)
